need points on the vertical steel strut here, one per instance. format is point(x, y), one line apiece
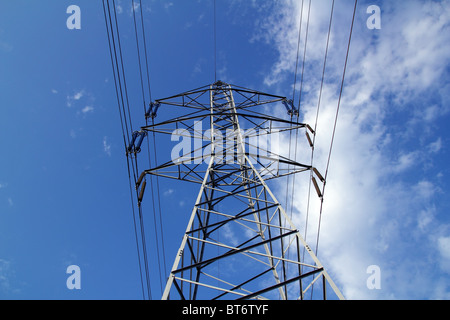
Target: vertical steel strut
point(239, 242)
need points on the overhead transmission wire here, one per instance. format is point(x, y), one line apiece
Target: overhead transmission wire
point(123, 92)
point(158, 238)
point(317, 115)
point(161, 224)
point(298, 117)
point(301, 88)
point(134, 169)
point(124, 141)
point(298, 52)
point(316, 123)
point(336, 121)
point(141, 217)
point(319, 105)
point(298, 109)
point(215, 41)
point(286, 269)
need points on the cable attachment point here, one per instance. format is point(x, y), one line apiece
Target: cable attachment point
point(141, 177)
point(289, 104)
point(152, 111)
point(314, 181)
point(141, 193)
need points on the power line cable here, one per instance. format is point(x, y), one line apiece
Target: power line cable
point(319, 101)
point(144, 103)
point(304, 56)
point(145, 51)
point(336, 120)
point(138, 54)
point(317, 119)
point(119, 92)
point(215, 43)
point(298, 115)
point(298, 52)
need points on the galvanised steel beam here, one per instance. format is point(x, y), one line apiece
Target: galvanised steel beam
point(239, 241)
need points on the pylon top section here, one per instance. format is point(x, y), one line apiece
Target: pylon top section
point(209, 119)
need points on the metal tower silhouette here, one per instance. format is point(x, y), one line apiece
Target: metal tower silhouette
point(239, 241)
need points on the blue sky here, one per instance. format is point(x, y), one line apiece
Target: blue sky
point(64, 196)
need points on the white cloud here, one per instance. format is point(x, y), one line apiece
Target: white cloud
point(436, 146)
point(373, 213)
point(106, 146)
point(119, 8)
point(7, 274)
point(78, 95)
point(87, 109)
point(444, 250)
point(168, 192)
point(444, 247)
point(75, 97)
point(425, 219)
point(167, 5)
point(405, 162)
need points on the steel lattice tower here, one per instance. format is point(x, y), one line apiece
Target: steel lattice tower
point(239, 241)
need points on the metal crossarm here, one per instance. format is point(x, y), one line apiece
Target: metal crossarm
point(239, 241)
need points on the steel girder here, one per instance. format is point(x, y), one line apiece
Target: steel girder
point(239, 242)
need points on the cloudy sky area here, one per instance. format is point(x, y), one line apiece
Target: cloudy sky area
point(64, 196)
point(385, 200)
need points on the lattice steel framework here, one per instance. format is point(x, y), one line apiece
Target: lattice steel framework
point(239, 242)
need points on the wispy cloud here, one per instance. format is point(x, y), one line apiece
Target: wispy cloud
point(74, 97)
point(119, 7)
point(106, 146)
point(168, 192)
point(87, 109)
point(168, 5)
point(6, 47)
point(82, 101)
point(6, 278)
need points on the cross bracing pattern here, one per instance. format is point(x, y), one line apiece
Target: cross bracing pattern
point(239, 242)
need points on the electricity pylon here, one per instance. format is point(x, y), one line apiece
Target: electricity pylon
point(239, 242)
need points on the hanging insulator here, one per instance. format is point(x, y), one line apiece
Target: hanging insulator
point(309, 139)
point(317, 187)
point(152, 111)
point(132, 142)
point(135, 143)
point(310, 129)
point(289, 104)
point(141, 193)
point(321, 178)
point(138, 183)
point(142, 135)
